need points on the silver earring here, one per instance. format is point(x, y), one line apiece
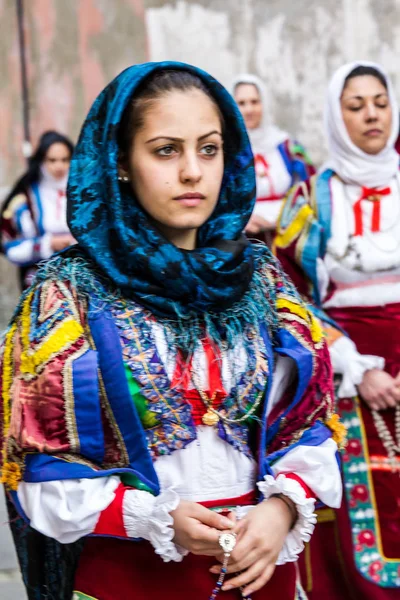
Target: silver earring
point(123, 178)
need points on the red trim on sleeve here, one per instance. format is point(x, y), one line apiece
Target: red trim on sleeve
point(111, 521)
point(308, 491)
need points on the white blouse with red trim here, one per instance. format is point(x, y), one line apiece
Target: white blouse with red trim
point(207, 469)
point(363, 263)
point(273, 182)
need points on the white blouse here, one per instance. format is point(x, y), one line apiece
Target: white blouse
point(207, 469)
point(273, 182)
point(364, 268)
point(51, 213)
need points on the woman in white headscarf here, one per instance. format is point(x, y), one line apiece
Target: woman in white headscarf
point(339, 238)
point(280, 162)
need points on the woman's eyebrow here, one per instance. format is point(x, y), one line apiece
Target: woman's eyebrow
point(363, 97)
point(177, 139)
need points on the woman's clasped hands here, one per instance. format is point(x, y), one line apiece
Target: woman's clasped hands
point(260, 537)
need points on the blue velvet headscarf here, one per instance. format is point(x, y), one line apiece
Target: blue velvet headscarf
point(112, 228)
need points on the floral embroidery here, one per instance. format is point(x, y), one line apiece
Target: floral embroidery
point(175, 428)
point(359, 488)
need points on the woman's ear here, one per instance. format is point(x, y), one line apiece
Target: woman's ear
point(123, 174)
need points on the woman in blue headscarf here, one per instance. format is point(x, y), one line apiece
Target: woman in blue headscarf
point(167, 397)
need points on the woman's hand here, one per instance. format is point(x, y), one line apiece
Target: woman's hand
point(197, 528)
point(260, 537)
point(257, 225)
point(61, 241)
point(379, 390)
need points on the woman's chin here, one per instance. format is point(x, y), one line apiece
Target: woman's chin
point(373, 147)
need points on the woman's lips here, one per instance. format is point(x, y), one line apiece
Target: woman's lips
point(373, 132)
point(190, 199)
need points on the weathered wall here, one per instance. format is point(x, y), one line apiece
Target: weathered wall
point(75, 46)
point(293, 46)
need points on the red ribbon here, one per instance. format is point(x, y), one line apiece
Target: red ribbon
point(60, 196)
point(182, 380)
point(373, 195)
point(259, 158)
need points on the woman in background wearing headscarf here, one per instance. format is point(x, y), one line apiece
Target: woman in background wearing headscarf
point(159, 372)
point(33, 219)
point(279, 161)
point(339, 239)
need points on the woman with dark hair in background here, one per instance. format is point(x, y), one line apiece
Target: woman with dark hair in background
point(167, 396)
point(33, 221)
point(280, 161)
point(339, 239)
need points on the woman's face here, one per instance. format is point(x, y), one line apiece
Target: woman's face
point(176, 163)
point(57, 160)
point(249, 102)
point(367, 113)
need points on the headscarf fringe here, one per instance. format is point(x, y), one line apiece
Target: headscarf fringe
point(223, 329)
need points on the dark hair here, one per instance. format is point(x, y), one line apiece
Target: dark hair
point(32, 174)
point(156, 85)
point(362, 71)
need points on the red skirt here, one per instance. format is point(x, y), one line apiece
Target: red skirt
point(112, 569)
point(328, 566)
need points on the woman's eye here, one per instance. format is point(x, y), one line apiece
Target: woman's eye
point(165, 151)
point(381, 105)
point(209, 150)
point(354, 108)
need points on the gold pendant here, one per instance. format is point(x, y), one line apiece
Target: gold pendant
point(210, 418)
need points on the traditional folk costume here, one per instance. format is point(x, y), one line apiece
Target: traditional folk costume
point(339, 239)
point(28, 222)
point(280, 162)
point(135, 374)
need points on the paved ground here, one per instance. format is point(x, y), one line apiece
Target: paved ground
point(11, 587)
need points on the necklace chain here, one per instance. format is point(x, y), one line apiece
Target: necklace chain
point(212, 416)
point(391, 445)
point(208, 403)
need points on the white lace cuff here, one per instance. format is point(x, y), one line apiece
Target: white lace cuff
point(306, 519)
point(348, 362)
point(147, 516)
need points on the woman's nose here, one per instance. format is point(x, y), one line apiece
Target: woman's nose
point(371, 112)
point(190, 168)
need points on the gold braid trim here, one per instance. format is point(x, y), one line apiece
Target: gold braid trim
point(62, 337)
point(339, 430)
point(11, 473)
point(299, 310)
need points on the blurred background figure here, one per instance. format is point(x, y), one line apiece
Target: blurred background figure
point(279, 161)
point(33, 223)
point(338, 237)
